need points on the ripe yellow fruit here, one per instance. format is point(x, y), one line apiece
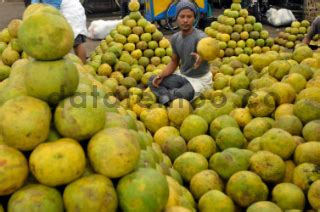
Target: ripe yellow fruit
point(134, 6)
point(208, 48)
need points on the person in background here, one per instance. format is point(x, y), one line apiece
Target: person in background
point(27, 3)
point(74, 12)
point(314, 30)
point(194, 76)
point(142, 6)
point(226, 4)
point(124, 10)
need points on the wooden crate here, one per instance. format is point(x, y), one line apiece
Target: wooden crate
point(311, 9)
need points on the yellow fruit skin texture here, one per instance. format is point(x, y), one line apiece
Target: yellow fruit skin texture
point(307, 153)
point(215, 200)
point(58, 162)
point(33, 8)
point(79, 123)
point(205, 181)
point(143, 190)
point(155, 119)
point(314, 195)
point(189, 163)
point(164, 133)
point(264, 206)
point(36, 197)
point(91, 193)
point(305, 174)
point(288, 196)
point(290, 166)
point(134, 6)
point(51, 81)
point(208, 48)
point(179, 109)
point(13, 169)
point(46, 36)
point(114, 152)
point(246, 187)
point(270, 167)
point(25, 122)
point(279, 142)
point(14, 85)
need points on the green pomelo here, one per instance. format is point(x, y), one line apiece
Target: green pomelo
point(230, 161)
point(46, 36)
point(36, 197)
point(51, 81)
point(79, 117)
point(143, 190)
point(188, 164)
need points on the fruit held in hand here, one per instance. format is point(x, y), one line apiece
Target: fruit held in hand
point(208, 48)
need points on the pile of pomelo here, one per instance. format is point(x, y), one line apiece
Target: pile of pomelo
point(239, 33)
point(71, 139)
point(10, 49)
point(293, 35)
point(132, 52)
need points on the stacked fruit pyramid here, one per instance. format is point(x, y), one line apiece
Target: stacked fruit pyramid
point(293, 35)
point(133, 51)
point(10, 50)
point(238, 32)
point(249, 143)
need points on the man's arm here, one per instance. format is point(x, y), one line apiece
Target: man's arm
point(170, 68)
point(314, 29)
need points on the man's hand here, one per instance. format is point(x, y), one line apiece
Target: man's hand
point(156, 81)
point(306, 41)
point(198, 60)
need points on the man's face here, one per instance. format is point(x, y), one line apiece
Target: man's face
point(185, 19)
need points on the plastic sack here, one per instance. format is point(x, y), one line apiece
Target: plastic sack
point(281, 17)
point(99, 29)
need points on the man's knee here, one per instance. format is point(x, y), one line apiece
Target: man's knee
point(185, 92)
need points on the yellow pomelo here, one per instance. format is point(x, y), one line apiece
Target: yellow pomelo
point(314, 195)
point(13, 169)
point(155, 119)
point(36, 197)
point(205, 181)
point(208, 48)
point(134, 5)
point(162, 134)
point(58, 162)
point(25, 122)
point(179, 109)
point(114, 146)
point(77, 196)
point(216, 200)
point(264, 206)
